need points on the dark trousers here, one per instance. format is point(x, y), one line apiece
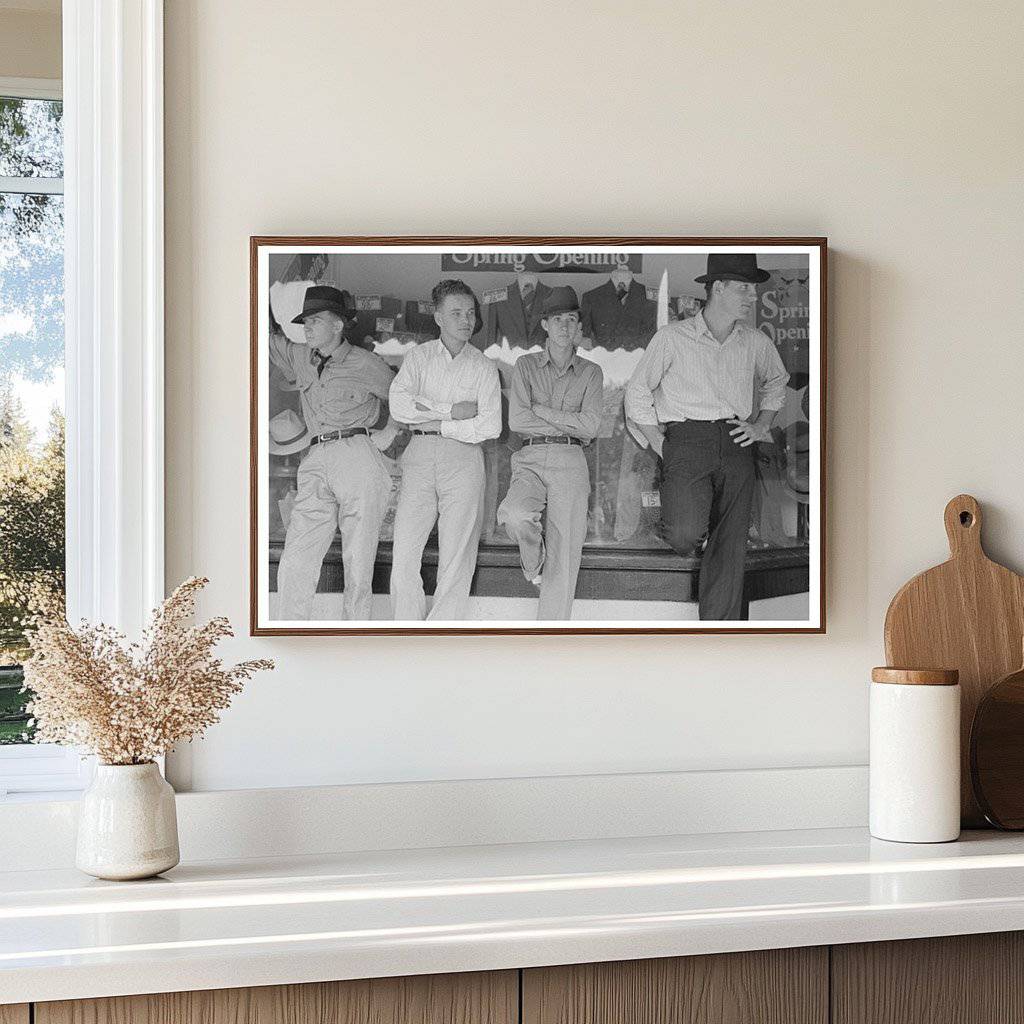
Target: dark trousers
point(707, 486)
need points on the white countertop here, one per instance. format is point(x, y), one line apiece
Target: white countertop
point(222, 924)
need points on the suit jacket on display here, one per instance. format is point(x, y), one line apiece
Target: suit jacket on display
point(612, 323)
point(505, 316)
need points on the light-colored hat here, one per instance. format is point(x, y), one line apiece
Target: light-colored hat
point(288, 434)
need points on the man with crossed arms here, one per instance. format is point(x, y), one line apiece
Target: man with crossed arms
point(555, 405)
point(449, 393)
point(692, 395)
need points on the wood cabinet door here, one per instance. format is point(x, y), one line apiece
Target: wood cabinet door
point(777, 986)
point(476, 998)
point(14, 1013)
point(960, 979)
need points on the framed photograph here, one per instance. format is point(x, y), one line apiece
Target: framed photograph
point(537, 435)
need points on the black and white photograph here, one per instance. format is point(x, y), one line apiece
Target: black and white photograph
point(537, 435)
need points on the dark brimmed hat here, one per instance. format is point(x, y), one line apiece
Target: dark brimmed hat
point(733, 266)
point(320, 297)
point(560, 300)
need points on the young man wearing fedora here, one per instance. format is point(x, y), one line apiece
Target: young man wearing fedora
point(555, 405)
point(449, 394)
point(704, 391)
point(343, 481)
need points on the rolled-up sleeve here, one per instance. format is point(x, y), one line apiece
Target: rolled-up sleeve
point(772, 378)
point(647, 377)
point(282, 354)
point(487, 421)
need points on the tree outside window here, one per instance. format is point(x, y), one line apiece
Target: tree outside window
point(31, 385)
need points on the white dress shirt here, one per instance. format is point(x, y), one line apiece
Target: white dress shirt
point(687, 374)
point(431, 376)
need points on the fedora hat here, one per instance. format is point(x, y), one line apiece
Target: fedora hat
point(288, 434)
point(319, 297)
point(733, 266)
point(560, 300)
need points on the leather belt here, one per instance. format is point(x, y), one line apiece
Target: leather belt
point(679, 423)
point(427, 433)
point(553, 439)
point(337, 435)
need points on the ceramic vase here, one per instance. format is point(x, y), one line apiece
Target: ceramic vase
point(127, 825)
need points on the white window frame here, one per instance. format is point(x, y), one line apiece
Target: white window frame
point(114, 349)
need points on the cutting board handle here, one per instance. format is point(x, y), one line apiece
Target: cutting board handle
point(963, 526)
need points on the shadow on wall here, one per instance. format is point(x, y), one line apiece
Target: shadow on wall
point(851, 284)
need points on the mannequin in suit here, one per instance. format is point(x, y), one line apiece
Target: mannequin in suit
point(513, 312)
point(621, 313)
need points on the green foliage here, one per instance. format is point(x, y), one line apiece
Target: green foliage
point(14, 727)
point(31, 544)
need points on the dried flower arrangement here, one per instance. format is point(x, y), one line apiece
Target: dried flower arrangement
point(130, 703)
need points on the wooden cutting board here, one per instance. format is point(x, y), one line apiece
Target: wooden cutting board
point(967, 614)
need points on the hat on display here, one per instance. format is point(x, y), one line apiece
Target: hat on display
point(320, 297)
point(733, 266)
point(560, 300)
point(288, 434)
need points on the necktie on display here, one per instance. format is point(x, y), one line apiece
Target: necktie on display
point(622, 292)
point(528, 290)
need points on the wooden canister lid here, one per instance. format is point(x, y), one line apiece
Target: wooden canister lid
point(916, 676)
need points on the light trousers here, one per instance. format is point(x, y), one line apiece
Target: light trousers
point(443, 483)
point(344, 485)
point(545, 512)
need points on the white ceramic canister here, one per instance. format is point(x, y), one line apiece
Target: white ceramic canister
point(127, 824)
point(915, 755)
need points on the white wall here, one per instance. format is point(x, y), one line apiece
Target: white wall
point(895, 129)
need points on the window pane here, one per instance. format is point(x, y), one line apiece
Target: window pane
point(31, 431)
point(31, 138)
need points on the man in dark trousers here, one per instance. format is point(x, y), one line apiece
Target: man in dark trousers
point(621, 313)
point(704, 391)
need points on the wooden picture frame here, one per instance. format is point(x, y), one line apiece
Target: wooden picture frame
point(786, 545)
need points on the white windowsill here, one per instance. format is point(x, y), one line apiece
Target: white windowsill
point(42, 771)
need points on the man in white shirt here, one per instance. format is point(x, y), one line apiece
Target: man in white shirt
point(706, 389)
point(449, 393)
